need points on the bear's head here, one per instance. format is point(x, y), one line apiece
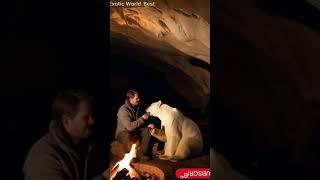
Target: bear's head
point(154, 108)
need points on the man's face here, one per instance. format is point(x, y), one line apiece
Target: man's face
point(135, 100)
point(79, 126)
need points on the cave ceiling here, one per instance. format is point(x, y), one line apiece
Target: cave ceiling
point(173, 36)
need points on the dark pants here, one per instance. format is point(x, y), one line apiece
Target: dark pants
point(141, 137)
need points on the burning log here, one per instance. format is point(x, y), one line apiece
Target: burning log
point(114, 171)
point(149, 172)
point(124, 174)
point(125, 164)
point(124, 170)
point(135, 173)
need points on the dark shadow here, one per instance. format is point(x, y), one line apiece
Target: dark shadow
point(200, 63)
point(299, 10)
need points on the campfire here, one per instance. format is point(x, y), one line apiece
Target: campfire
point(123, 169)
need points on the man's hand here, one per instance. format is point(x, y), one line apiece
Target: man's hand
point(146, 116)
point(152, 129)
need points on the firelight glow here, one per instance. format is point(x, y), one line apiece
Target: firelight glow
point(125, 163)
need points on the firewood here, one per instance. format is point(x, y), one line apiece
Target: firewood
point(147, 175)
point(113, 171)
point(153, 176)
point(136, 173)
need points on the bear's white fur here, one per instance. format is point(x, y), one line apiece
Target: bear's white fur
point(183, 136)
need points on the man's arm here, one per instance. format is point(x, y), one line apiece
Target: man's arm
point(46, 167)
point(124, 118)
point(43, 166)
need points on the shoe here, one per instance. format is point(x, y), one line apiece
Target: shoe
point(141, 158)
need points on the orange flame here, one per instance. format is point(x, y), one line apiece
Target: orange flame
point(125, 163)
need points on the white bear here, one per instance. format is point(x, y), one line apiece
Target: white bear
point(183, 136)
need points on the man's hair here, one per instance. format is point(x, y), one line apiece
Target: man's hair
point(131, 93)
point(67, 103)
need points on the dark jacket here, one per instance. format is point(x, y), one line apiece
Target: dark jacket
point(128, 118)
point(55, 157)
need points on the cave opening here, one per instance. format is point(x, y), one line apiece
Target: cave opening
point(136, 69)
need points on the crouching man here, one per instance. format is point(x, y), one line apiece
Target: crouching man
point(131, 127)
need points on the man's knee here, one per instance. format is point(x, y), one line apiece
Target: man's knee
point(124, 137)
